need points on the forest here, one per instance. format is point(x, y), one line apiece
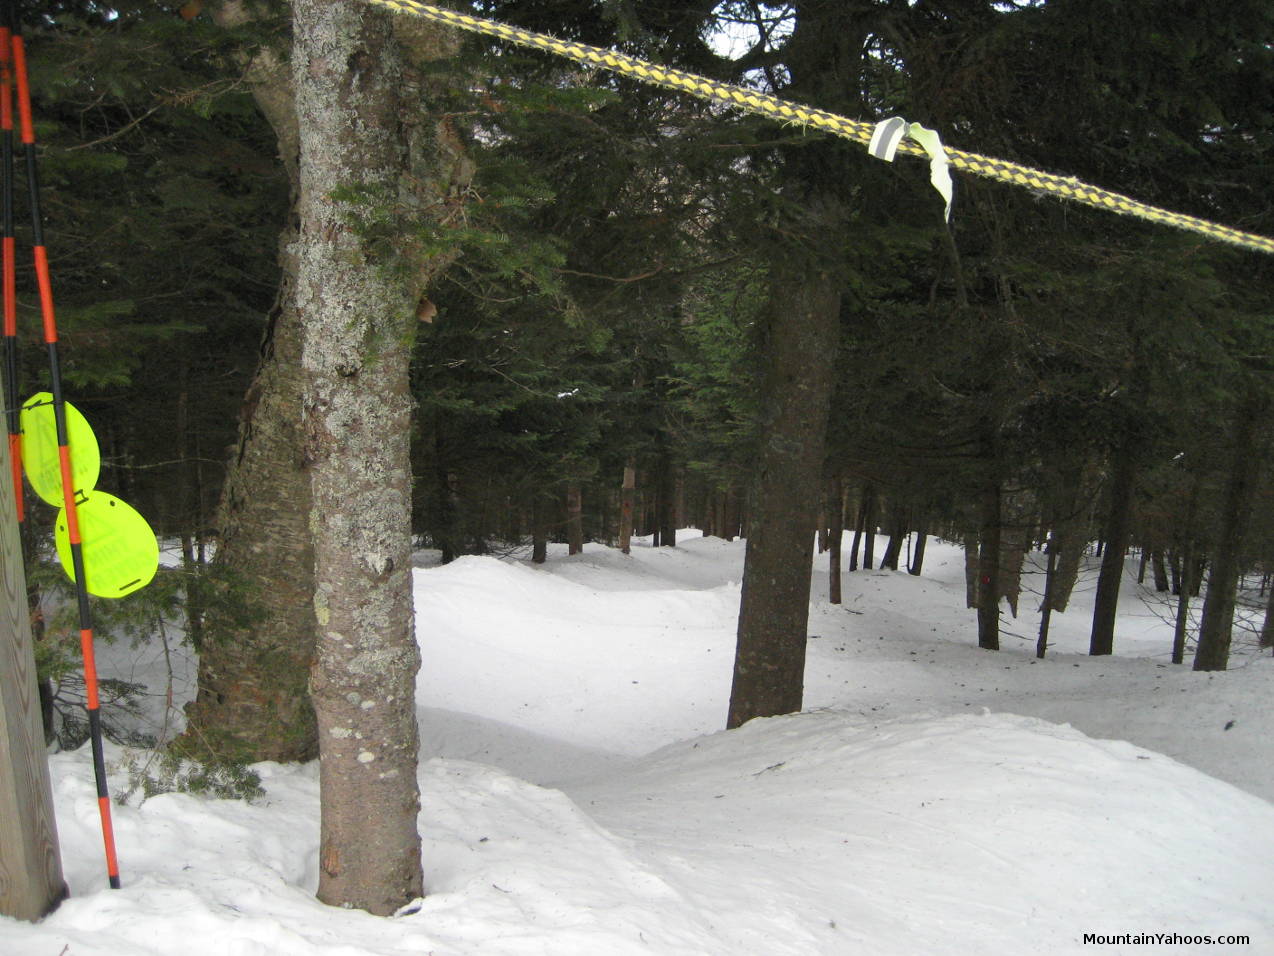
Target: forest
point(337, 285)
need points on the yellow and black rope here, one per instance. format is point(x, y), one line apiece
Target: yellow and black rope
point(857, 130)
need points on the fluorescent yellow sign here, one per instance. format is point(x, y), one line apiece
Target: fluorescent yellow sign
point(40, 449)
point(121, 554)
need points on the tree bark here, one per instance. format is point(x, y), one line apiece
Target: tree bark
point(1017, 523)
point(574, 518)
point(356, 346)
point(971, 587)
point(802, 326)
point(253, 700)
point(257, 641)
point(860, 518)
point(917, 564)
point(897, 534)
point(1118, 525)
point(627, 494)
point(835, 538)
point(1267, 626)
point(1213, 650)
point(989, 568)
point(870, 510)
point(539, 530)
point(1046, 609)
point(666, 497)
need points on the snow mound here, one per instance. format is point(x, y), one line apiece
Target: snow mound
point(822, 833)
point(819, 833)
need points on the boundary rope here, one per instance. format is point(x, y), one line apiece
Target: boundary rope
point(762, 104)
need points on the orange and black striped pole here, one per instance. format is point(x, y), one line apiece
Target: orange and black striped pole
point(19, 67)
point(12, 412)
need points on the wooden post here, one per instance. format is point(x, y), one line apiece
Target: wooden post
point(31, 883)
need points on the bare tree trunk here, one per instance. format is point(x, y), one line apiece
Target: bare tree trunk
point(733, 515)
point(989, 568)
point(253, 698)
point(1213, 650)
point(860, 519)
point(626, 497)
point(253, 701)
point(1159, 570)
point(897, 534)
point(1017, 525)
point(971, 587)
point(870, 511)
point(1046, 609)
point(574, 518)
point(1182, 622)
point(539, 530)
point(1118, 523)
point(1267, 626)
point(917, 564)
point(802, 327)
point(667, 503)
point(836, 536)
point(356, 347)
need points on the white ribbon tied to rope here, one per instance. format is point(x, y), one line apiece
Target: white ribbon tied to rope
point(892, 131)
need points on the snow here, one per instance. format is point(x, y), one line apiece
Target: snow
point(580, 799)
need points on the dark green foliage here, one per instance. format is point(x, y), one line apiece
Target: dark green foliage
point(615, 245)
point(162, 200)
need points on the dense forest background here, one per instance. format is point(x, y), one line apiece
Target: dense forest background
point(598, 355)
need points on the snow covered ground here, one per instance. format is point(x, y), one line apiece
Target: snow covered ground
point(579, 798)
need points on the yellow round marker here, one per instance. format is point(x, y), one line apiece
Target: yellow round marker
point(40, 457)
point(120, 551)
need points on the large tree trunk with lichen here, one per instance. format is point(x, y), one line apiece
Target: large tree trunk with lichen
point(257, 639)
point(258, 647)
point(258, 631)
point(355, 348)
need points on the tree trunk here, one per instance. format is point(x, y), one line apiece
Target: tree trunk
point(860, 518)
point(252, 701)
point(870, 512)
point(1183, 608)
point(1070, 555)
point(626, 496)
point(1159, 570)
point(802, 325)
point(253, 698)
point(1213, 650)
point(667, 503)
point(574, 518)
point(733, 515)
point(1267, 626)
point(1118, 524)
point(897, 534)
point(1017, 525)
point(1046, 609)
point(918, 555)
point(971, 570)
point(539, 530)
point(356, 348)
point(989, 568)
point(835, 537)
